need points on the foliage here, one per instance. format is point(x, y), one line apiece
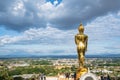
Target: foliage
point(42, 62)
point(4, 74)
point(47, 70)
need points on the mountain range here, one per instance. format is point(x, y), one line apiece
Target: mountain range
point(25, 55)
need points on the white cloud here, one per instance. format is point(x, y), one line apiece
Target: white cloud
point(106, 27)
point(55, 2)
point(103, 35)
point(18, 8)
point(21, 15)
point(7, 39)
point(50, 11)
point(40, 40)
point(104, 32)
point(33, 16)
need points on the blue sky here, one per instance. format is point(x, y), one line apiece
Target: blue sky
point(48, 27)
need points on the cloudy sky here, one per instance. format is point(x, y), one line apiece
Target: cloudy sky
point(48, 27)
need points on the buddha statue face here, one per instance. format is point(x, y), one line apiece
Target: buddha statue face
point(81, 29)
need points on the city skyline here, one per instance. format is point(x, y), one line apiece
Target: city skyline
point(48, 27)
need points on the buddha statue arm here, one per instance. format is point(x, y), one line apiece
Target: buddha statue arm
point(86, 42)
point(76, 41)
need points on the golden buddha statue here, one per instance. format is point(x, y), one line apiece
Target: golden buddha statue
point(81, 41)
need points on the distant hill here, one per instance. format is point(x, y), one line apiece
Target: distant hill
point(24, 55)
point(107, 55)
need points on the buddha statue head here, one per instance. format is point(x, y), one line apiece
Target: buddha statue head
point(81, 28)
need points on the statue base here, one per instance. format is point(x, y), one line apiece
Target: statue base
point(80, 72)
point(88, 76)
